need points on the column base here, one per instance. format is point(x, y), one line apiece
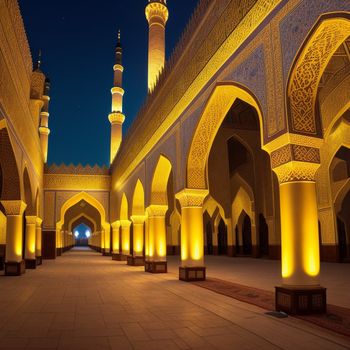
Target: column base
point(156, 266)
point(15, 268)
point(58, 251)
point(190, 274)
point(231, 250)
point(301, 301)
point(30, 264)
point(39, 260)
point(135, 260)
point(119, 257)
point(106, 252)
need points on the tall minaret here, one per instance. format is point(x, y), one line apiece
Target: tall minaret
point(44, 96)
point(117, 117)
point(157, 15)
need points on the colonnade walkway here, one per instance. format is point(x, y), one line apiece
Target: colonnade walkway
point(266, 274)
point(85, 301)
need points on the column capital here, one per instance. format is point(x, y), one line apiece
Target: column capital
point(191, 197)
point(31, 220)
point(296, 172)
point(125, 223)
point(156, 210)
point(295, 158)
point(39, 221)
point(14, 207)
point(138, 219)
point(115, 225)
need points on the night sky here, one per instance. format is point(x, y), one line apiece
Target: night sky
point(78, 38)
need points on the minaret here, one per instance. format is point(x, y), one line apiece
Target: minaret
point(41, 92)
point(157, 15)
point(117, 117)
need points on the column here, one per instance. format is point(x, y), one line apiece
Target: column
point(30, 237)
point(38, 241)
point(137, 259)
point(107, 241)
point(300, 292)
point(156, 239)
point(125, 238)
point(192, 234)
point(14, 264)
point(116, 246)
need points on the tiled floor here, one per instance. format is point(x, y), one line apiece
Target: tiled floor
point(266, 274)
point(86, 301)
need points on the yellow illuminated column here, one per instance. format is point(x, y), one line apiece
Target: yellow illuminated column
point(14, 265)
point(300, 291)
point(156, 239)
point(107, 241)
point(115, 237)
point(125, 227)
point(38, 241)
point(58, 241)
point(102, 240)
point(192, 234)
point(138, 242)
point(30, 238)
point(146, 237)
point(157, 15)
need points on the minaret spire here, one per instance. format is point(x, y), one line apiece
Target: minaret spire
point(39, 60)
point(157, 15)
point(117, 117)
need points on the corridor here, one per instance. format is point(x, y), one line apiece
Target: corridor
point(85, 301)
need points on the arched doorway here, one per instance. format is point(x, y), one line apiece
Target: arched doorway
point(247, 235)
point(343, 228)
point(222, 238)
point(82, 233)
point(263, 236)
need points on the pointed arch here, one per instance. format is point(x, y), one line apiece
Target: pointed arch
point(219, 103)
point(160, 181)
point(138, 199)
point(76, 199)
point(327, 35)
point(124, 208)
point(82, 219)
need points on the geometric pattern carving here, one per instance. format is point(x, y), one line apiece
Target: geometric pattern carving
point(76, 169)
point(191, 197)
point(296, 171)
point(281, 156)
point(297, 153)
point(302, 91)
point(37, 85)
point(306, 154)
point(76, 182)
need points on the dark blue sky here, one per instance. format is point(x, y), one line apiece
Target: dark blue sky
point(77, 38)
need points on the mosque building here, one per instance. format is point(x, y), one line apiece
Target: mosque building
point(242, 149)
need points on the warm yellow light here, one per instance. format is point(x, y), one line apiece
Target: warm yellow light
point(299, 236)
point(192, 241)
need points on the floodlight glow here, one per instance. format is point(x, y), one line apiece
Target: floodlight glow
point(76, 234)
point(87, 233)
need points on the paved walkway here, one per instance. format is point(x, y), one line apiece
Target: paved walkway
point(266, 274)
point(86, 301)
